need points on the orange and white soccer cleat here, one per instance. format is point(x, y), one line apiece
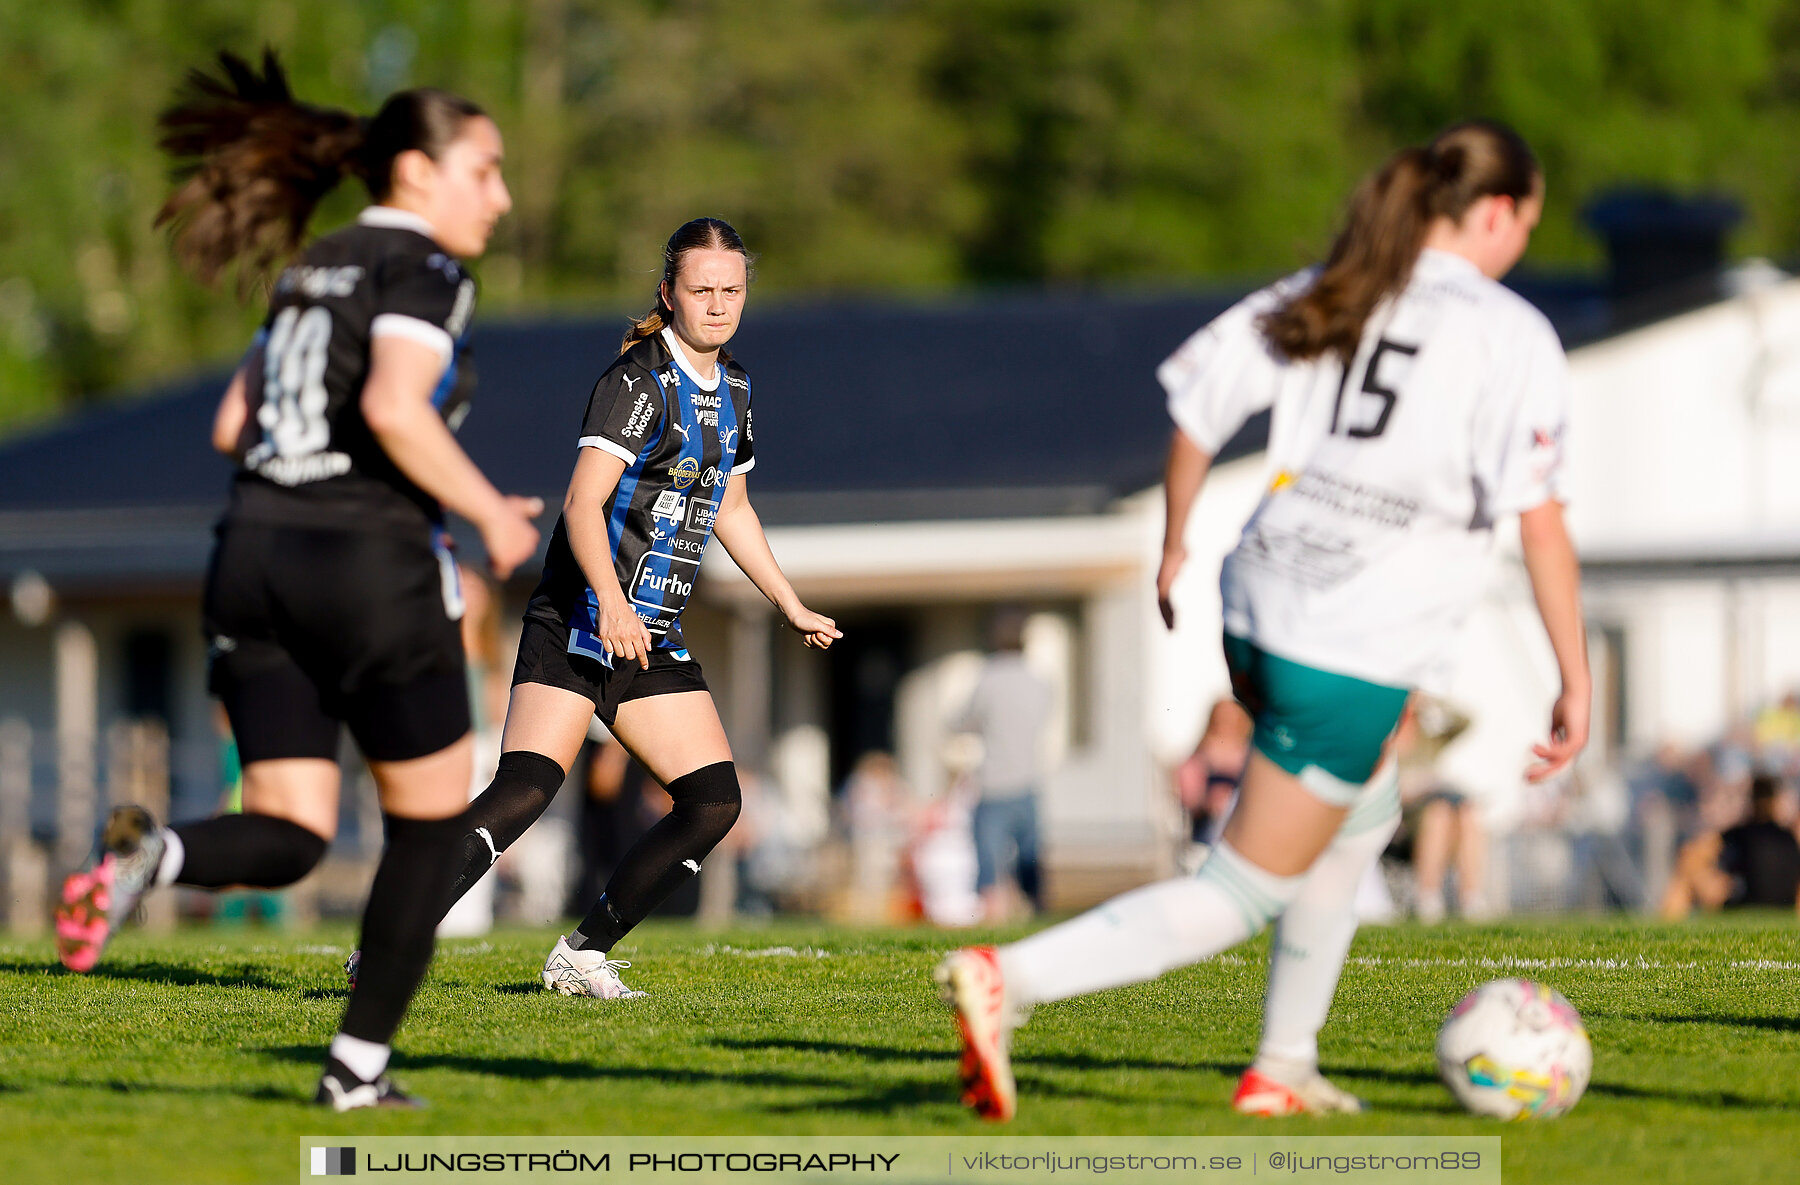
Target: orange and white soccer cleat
point(971, 982)
point(1259, 1093)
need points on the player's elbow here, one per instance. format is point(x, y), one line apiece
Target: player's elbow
point(1542, 527)
point(385, 415)
point(225, 439)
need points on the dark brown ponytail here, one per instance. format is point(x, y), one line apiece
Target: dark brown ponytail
point(254, 162)
point(1389, 215)
point(700, 234)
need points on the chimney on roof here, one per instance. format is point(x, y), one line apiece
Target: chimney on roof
point(1665, 252)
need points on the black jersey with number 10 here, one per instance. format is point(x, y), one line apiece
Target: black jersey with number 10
point(311, 459)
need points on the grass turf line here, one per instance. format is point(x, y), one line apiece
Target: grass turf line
point(188, 1057)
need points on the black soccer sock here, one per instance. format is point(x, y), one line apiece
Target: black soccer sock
point(706, 805)
point(400, 922)
point(521, 791)
point(256, 850)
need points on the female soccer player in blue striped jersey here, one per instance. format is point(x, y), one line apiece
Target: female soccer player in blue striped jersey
point(662, 462)
point(1415, 403)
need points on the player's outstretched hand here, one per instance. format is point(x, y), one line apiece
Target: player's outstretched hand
point(510, 538)
point(622, 632)
point(1165, 584)
point(1568, 736)
point(815, 629)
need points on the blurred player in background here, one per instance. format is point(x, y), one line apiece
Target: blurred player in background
point(1415, 403)
point(331, 597)
point(661, 465)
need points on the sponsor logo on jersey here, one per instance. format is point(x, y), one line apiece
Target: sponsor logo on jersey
point(438, 261)
point(639, 419)
point(740, 384)
point(669, 378)
point(316, 283)
point(631, 381)
point(688, 546)
point(296, 471)
point(685, 472)
point(712, 477)
point(662, 585)
point(702, 513)
point(669, 505)
point(658, 590)
point(461, 311)
point(728, 442)
point(702, 399)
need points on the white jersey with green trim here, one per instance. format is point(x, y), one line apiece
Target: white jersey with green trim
point(1374, 538)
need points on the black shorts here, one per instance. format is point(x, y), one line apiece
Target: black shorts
point(310, 628)
point(544, 658)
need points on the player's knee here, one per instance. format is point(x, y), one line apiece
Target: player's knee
point(293, 852)
point(1260, 895)
point(710, 797)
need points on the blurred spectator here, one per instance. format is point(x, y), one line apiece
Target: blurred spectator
point(1665, 811)
point(1207, 781)
point(941, 860)
point(1776, 734)
point(876, 804)
point(1447, 827)
point(606, 823)
point(1598, 816)
point(1754, 863)
point(1009, 711)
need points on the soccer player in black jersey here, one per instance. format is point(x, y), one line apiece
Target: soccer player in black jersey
point(331, 598)
point(664, 450)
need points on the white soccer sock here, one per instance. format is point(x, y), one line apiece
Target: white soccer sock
point(1311, 942)
point(365, 1059)
point(1143, 933)
point(173, 857)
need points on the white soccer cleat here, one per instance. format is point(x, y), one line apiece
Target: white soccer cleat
point(1269, 1093)
point(585, 973)
point(971, 982)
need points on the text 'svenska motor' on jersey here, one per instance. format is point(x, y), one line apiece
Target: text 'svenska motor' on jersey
point(681, 438)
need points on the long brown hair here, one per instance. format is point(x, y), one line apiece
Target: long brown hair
point(253, 161)
point(699, 234)
point(1389, 216)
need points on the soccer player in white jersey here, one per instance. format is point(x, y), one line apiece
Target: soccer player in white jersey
point(1415, 402)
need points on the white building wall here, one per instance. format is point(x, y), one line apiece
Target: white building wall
point(1684, 434)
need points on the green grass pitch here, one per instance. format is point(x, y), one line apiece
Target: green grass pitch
point(187, 1057)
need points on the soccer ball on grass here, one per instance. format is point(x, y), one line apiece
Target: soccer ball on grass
point(1514, 1049)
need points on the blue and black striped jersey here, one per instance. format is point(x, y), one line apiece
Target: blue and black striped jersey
point(309, 457)
point(681, 438)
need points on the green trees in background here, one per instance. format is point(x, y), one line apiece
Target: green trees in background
point(909, 146)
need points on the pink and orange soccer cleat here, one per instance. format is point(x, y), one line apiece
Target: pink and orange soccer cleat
point(96, 901)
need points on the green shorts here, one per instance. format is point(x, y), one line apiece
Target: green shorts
point(1325, 729)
